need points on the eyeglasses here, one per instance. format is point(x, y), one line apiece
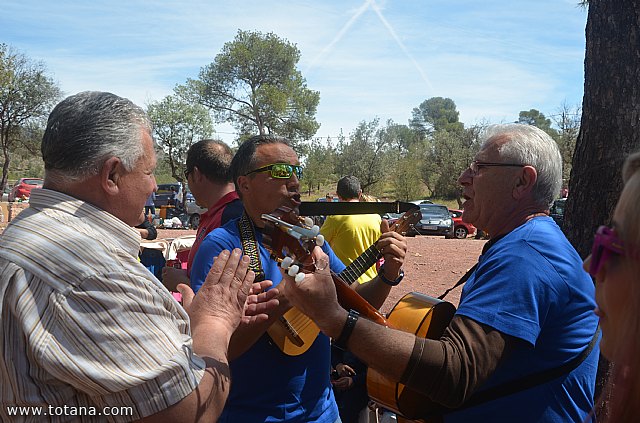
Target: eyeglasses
point(475, 166)
point(606, 243)
point(280, 170)
point(186, 173)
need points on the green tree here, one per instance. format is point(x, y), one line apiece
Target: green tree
point(254, 84)
point(177, 124)
point(435, 114)
point(27, 95)
point(364, 156)
point(319, 163)
point(448, 154)
point(405, 175)
point(400, 138)
point(537, 119)
point(26, 159)
point(568, 122)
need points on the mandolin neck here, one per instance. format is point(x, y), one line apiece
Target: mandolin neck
point(360, 265)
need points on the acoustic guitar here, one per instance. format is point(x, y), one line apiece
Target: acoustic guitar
point(422, 316)
point(294, 332)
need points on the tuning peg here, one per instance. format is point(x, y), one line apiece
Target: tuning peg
point(320, 240)
point(299, 277)
point(293, 270)
point(315, 229)
point(286, 262)
point(308, 221)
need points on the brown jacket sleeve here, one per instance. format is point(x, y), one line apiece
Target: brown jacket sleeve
point(450, 369)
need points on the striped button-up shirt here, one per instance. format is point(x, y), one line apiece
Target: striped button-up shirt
point(85, 328)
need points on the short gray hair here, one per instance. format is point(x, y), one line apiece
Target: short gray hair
point(85, 130)
point(531, 146)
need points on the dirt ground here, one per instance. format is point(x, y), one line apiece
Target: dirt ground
point(433, 264)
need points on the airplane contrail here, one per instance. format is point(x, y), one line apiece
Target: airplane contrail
point(340, 34)
point(386, 23)
point(363, 8)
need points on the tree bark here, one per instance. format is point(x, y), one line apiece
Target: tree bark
point(610, 117)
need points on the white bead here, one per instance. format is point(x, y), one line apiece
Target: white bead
point(293, 270)
point(299, 277)
point(320, 240)
point(286, 262)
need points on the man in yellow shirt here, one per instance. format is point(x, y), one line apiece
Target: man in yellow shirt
point(350, 235)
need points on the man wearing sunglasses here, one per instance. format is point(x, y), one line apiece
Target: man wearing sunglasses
point(269, 385)
point(522, 346)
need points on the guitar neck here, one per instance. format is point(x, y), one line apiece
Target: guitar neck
point(360, 265)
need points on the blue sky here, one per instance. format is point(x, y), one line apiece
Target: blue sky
point(368, 58)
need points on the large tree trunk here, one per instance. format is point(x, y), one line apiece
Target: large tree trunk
point(609, 130)
point(610, 127)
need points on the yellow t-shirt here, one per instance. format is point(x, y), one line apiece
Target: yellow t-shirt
point(350, 235)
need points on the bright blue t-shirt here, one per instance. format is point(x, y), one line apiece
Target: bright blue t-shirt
point(530, 285)
point(266, 384)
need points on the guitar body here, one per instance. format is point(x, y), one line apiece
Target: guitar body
point(422, 316)
point(294, 332)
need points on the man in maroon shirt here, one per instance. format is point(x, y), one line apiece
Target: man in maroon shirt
point(207, 172)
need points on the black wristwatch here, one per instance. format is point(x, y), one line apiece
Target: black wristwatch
point(347, 329)
point(389, 281)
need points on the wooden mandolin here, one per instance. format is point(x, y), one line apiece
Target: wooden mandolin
point(291, 240)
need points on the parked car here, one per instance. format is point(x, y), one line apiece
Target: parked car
point(22, 188)
point(319, 220)
point(557, 211)
point(435, 220)
point(461, 229)
point(418, 202)
point(5, 193)
point(194, 211)
point(335, 199)
point(164, 193)
point(392, 217)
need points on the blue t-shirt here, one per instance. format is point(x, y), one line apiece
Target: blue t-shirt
point(530, 285)
point(266, 384)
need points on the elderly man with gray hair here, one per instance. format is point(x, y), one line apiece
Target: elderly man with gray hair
point(522, 346)
point(86, 329)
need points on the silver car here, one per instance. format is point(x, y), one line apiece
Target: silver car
point(435, 220)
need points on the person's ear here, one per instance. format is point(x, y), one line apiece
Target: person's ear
point(243, 184)
point(110, 174)
point(525, 181)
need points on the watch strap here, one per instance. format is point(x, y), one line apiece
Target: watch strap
point(347, 329)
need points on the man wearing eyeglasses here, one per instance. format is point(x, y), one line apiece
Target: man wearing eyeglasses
point(269, 385)
point(522, 346)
